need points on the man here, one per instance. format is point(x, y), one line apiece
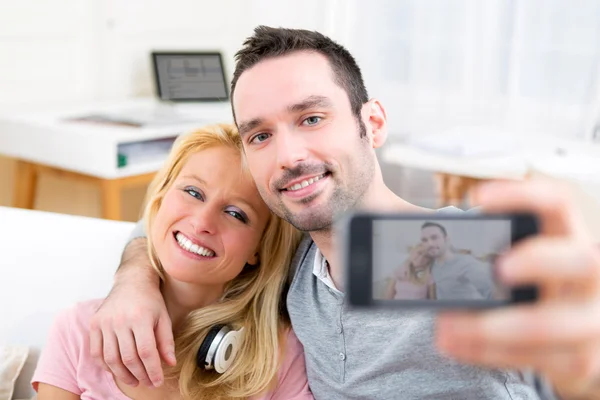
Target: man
point(456, 276)
point(310, 134)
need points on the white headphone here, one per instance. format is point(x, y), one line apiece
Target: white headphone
point(219, 348)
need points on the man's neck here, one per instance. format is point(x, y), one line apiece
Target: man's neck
point(181, 298)
point(447, 256)
point(381, 199)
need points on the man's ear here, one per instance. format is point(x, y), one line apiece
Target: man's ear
point(376, 120)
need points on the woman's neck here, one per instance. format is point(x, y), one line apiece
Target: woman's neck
point(181, 298)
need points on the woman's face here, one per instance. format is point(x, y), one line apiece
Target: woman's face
point(211, 220)
point(419, 257)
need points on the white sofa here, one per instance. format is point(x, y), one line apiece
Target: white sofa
point(48, 262)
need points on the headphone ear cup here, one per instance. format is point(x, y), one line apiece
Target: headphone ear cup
point(201, 361)
point(227, 350)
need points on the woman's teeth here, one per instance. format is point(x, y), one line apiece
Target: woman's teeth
point(305, 183)
point(187, 245)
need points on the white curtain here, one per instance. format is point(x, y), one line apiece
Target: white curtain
point(528, 66)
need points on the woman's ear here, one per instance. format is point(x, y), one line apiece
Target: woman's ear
point(253, 260)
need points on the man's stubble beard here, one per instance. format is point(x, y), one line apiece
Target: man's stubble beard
point(343, 198)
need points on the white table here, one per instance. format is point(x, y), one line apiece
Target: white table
point(47, 141)
point(457, 174)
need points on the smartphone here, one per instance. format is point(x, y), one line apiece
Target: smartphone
point(442, 260)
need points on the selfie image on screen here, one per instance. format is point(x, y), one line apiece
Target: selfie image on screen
point(438, 259)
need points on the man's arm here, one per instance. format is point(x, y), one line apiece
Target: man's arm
point(558, 335)
point(131, 331)
point(480, 274)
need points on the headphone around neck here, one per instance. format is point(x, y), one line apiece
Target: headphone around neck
point(219, 348)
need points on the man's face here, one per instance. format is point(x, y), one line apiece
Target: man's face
point(302, 142)
point(434, 240)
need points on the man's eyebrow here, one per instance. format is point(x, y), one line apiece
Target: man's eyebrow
point(306, 104)
point(311, 102)
point(246, 127)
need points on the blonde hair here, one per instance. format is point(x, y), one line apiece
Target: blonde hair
point(412, 269)
point(254, 299)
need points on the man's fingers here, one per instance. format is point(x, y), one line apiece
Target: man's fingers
point(148, 354)
point(96, 348)
point(530, 326)
point(164, 339)
point(556, 212)
point(130, 357)
point(112, 357)
point(551, 260)
point(581, 361)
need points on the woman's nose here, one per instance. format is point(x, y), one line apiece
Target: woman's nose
point(205, 220)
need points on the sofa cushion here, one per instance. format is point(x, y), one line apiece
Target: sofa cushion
point(12, 360)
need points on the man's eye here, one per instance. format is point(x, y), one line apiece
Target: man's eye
point(261, 137)
point(311, 120)
point(194, 193)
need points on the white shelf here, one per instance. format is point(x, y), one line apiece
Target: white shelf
point(558, 157)
point(49, 138)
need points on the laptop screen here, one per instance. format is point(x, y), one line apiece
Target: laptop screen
point(190, 76)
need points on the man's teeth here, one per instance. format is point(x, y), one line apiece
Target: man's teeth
point(305, 183)
point(186, 244)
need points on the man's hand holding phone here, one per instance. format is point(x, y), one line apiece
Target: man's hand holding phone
point(559, 334)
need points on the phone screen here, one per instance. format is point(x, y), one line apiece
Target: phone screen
point(438, 259)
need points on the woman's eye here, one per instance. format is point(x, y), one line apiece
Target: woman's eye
point(312, 120)
point(261, 137)
point(194, 193)
point(237, 215)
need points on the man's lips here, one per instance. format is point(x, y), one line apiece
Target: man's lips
point(303, 182)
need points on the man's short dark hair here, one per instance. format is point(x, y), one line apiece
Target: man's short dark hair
point(436, 225)
point(268, 42)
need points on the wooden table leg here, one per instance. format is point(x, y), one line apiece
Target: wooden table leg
point(442, 189)
point(454, 189)
point(111, 199)
point(25, 185)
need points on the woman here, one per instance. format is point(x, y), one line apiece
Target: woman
point(223, 259)
point(413, 279)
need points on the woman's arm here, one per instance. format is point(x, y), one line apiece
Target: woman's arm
point(49, 392)
point(293, 382)
point(57, 366)
point(390, 292)
point(431, 292)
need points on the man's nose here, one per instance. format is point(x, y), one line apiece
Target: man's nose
point(205, 220)
point(291, 148)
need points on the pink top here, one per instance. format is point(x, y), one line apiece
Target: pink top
point(407, 290)
point(66, 362)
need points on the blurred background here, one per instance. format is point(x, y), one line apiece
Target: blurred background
point(474, 90)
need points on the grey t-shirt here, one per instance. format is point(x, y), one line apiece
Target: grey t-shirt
point(462, 277)
point(384, 354)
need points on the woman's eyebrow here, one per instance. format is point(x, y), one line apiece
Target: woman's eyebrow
point(238, 200)
point(195, 177)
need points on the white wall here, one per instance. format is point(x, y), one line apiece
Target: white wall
point(72, 50)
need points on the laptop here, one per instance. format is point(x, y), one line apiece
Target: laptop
point(179, 77)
